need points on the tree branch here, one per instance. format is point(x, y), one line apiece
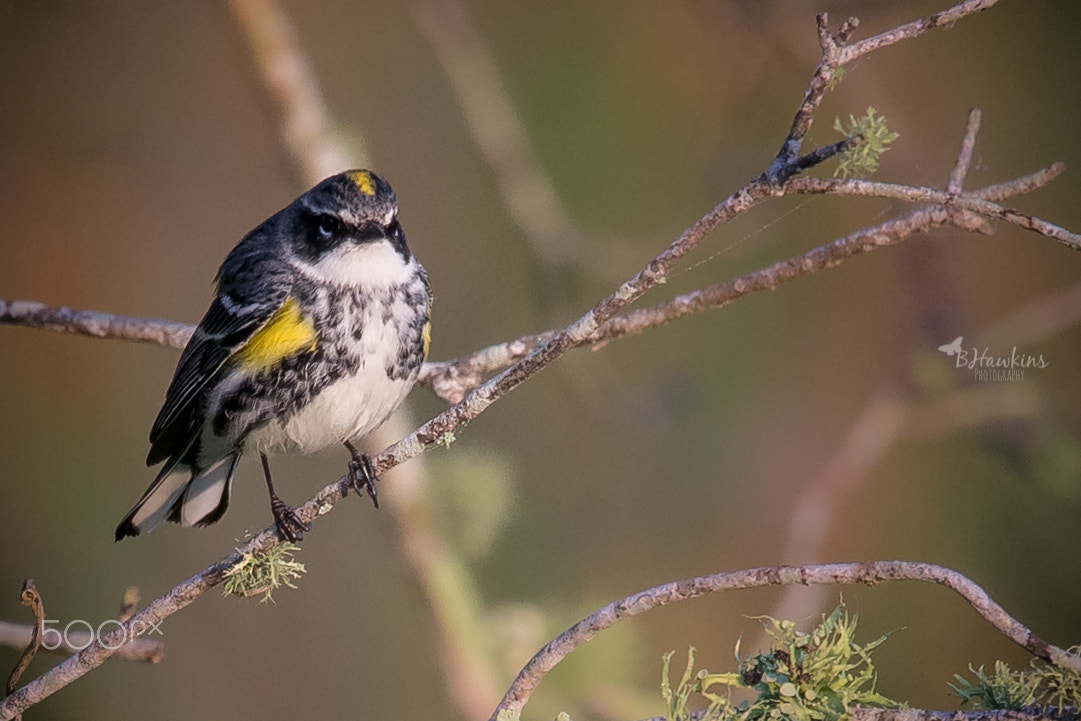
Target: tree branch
point(966, 201)
point(451, 379)
point(847, 573)
point(836, 53)
point(95, 324)
point(914, 29)
point(871, 435)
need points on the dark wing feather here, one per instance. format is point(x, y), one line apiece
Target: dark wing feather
point(255, 282)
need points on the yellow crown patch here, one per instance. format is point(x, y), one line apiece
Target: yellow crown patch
point(363, 180)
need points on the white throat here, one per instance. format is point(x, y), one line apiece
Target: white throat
point(369, 264)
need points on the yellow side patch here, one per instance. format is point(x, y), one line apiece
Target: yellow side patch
point(363, 180)
point(287, 333)
point(426, 338)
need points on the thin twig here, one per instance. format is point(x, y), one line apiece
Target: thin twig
point(781, 168)
point(72, 641)
point(914, 194)
point(848, 573)
point(31, 599)
point(820, 155)
point(128, 604)
point(105, 646)
point(914, 29)
point(836, 52)
point(964, 157)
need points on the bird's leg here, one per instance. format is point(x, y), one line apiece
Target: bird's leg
point(286, 520)
point(362, 473)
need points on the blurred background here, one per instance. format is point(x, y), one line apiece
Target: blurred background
point(817, 423)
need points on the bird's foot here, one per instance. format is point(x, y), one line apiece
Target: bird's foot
point(362, 474)
point(288, 523)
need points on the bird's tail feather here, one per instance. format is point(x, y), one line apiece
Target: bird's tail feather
point(182, 494)
point(207, 495)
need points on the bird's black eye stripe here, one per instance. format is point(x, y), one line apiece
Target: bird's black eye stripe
point(329, 226)
point(321, 231)
point(396, 236)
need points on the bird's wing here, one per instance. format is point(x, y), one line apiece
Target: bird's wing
point(227, 327)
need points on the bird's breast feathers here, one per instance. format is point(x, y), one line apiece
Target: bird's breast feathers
point(302, 384)
point(349, 409)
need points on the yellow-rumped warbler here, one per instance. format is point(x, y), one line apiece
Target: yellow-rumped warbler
point(316, 334)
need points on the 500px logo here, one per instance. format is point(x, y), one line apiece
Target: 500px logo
point(73, 637)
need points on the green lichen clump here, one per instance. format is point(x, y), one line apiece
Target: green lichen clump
point(862, 158)
point(814, 676)
point(1043, 685)
point(836, 79)
point(263, 572)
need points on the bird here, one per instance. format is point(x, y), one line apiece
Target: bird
point(316, 333)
